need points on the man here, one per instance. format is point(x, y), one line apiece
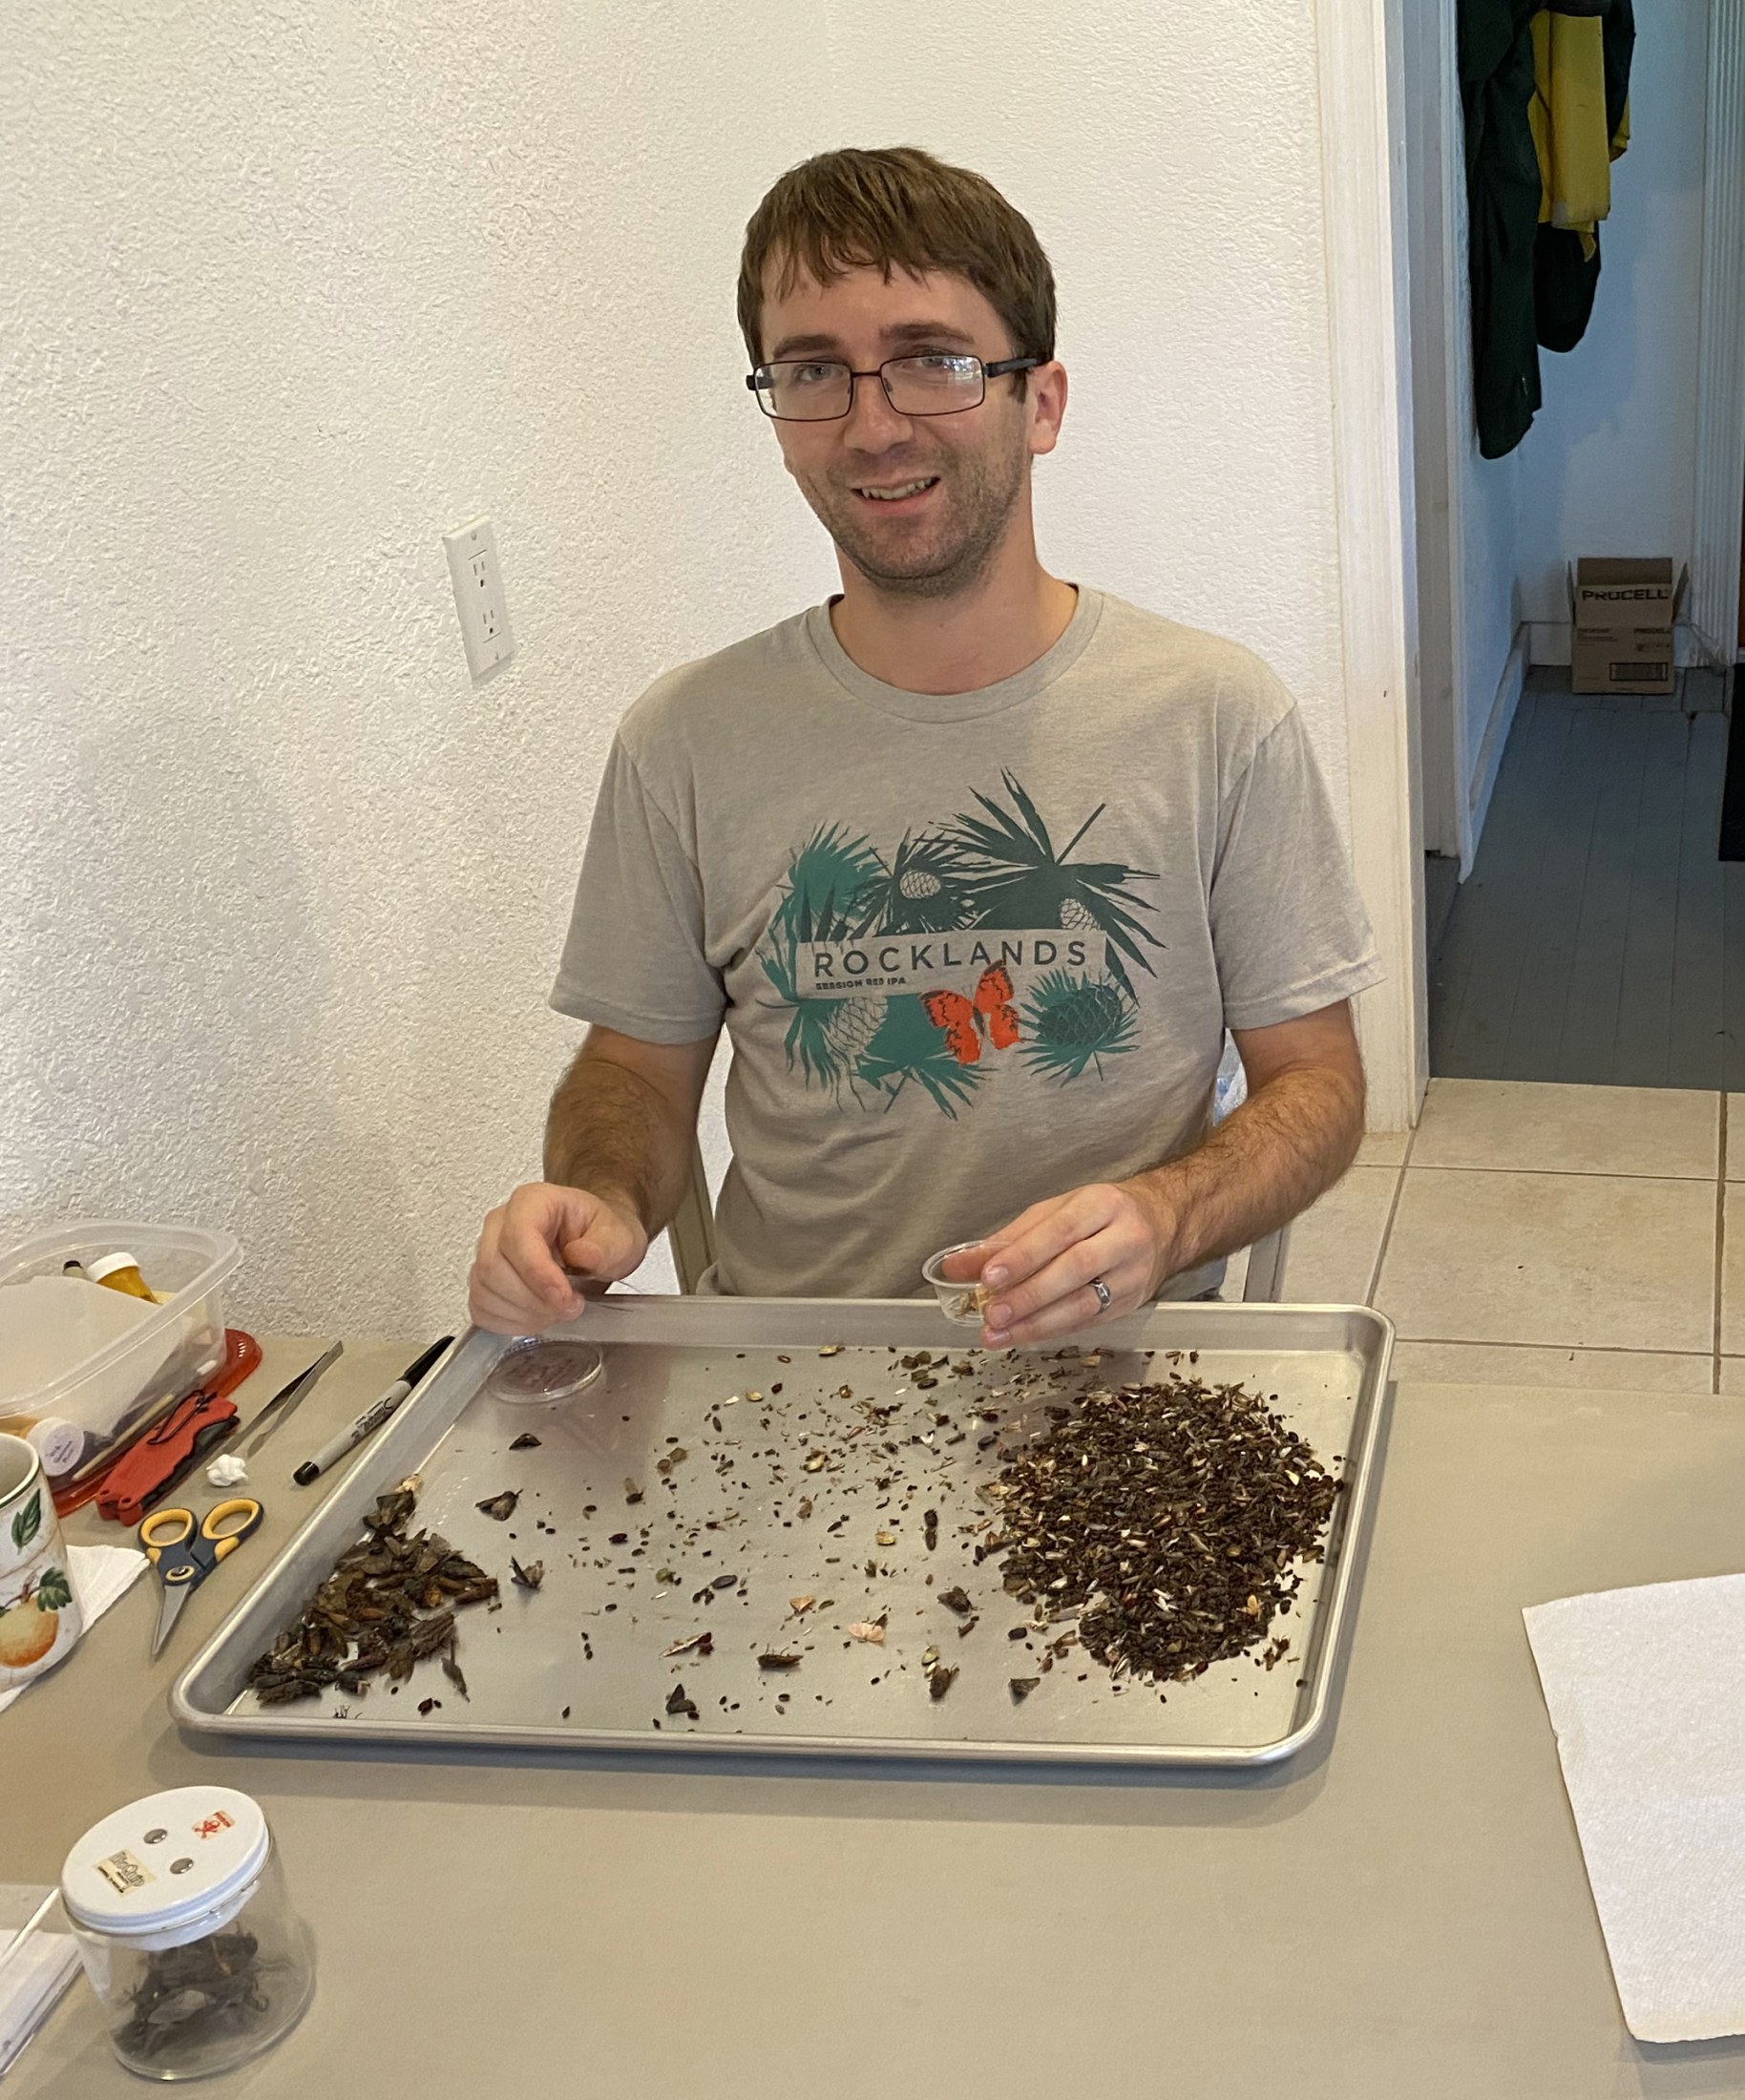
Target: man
point(976, 865)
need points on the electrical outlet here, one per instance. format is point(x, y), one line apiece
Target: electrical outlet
point(478, 595)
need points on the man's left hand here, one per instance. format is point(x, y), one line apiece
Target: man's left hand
point(1039, 1269)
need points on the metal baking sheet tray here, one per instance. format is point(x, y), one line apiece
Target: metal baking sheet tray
point(581, 1662)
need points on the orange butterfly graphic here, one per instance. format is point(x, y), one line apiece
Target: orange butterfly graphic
point(965, 1020)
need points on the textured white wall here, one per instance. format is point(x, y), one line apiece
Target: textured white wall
point(283, 294)
point(1609, 466)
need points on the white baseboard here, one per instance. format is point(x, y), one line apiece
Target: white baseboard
point(1550, 642)
point(1497, 726)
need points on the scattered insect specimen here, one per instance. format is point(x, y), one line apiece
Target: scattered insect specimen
point(774, 1661)
point(863, 1630)
point(526, 1442)
point(528, 1577)
point(678, 1703)
point(500, 1506)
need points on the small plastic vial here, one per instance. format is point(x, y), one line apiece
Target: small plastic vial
point(186, 1932)
point(962, 1303)
point(120, 1272)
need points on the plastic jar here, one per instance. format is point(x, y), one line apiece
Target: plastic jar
point(186, 1931)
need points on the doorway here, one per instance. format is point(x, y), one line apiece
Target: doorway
point(1509, 763)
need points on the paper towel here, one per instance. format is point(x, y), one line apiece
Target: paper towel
point(1646, 1690)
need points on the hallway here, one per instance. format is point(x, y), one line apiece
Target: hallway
point(1599, 938)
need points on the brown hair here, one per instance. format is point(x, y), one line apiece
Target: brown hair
point(893, 209)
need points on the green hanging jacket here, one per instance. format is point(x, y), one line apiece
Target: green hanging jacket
point(1529, 283)
point(1503, 192)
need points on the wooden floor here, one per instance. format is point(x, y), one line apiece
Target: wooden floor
point(1599, 939)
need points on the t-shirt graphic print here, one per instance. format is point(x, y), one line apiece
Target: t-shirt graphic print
point(919, 965)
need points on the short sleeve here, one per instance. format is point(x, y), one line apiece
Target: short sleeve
point(634, 956)
point(1288, 926)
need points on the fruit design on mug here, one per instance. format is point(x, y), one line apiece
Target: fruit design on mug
point(31, 1621)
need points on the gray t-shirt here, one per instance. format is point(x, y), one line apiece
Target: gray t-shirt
point(972, 949)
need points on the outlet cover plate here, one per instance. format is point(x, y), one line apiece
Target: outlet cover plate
point(478, 595)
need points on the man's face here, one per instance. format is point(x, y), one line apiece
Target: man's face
point(918, 504)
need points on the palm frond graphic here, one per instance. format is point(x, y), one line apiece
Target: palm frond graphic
point(825, 880)
point(1013, 877)
point(909, 1048)
point(808, 1041)
point(808, 911)
point(921, 891)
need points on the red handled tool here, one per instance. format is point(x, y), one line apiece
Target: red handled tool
point(151, 1467)
point(242, 1359)
point(151, 1464)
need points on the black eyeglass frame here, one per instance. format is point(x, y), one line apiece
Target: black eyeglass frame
point(999, 369)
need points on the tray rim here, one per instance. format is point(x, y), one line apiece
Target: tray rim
point(655, 1319)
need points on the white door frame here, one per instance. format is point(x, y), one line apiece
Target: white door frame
point(1720, 358)
point(1440, 320)
point(1363, 184)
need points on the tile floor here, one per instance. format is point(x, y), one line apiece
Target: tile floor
point(1543, 1234)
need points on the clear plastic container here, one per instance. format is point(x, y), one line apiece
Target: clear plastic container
point(545, 1373)
point(37, 1961)
point(74, 1390)
point(186, 1932)
point(962, 1303)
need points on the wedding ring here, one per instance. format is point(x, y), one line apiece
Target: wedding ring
point(1105, 1295)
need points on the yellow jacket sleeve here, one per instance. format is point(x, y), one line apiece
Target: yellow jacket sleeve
point(1569, 119)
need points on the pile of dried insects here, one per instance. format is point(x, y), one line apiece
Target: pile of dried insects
point(195, 1994)
point(1169, 1518)
point(389, 1604)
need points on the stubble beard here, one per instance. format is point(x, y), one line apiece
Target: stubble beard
point(983, 491)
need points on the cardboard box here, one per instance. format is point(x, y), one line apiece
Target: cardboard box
point(1621, 616)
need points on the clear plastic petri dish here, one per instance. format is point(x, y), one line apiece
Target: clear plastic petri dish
point(961, 1303)
point(540, 1374)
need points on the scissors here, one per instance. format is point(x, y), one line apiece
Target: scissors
point(185, 1553)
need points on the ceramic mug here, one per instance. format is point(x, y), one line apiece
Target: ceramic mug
point(40, 1620)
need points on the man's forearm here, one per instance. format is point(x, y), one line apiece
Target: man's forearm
point(611, 1132)
point(1291, 1139)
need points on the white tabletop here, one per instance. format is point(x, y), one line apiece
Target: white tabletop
point(1400, 1912)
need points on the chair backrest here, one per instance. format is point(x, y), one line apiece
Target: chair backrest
point(1265, 1281)
point(691, 1234)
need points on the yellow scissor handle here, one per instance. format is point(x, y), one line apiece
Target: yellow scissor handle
point(166, 1528)
point(223, 1533)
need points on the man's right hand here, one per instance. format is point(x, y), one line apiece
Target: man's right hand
point(519, 1286)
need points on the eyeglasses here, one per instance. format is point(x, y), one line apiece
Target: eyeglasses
point(820, 389)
